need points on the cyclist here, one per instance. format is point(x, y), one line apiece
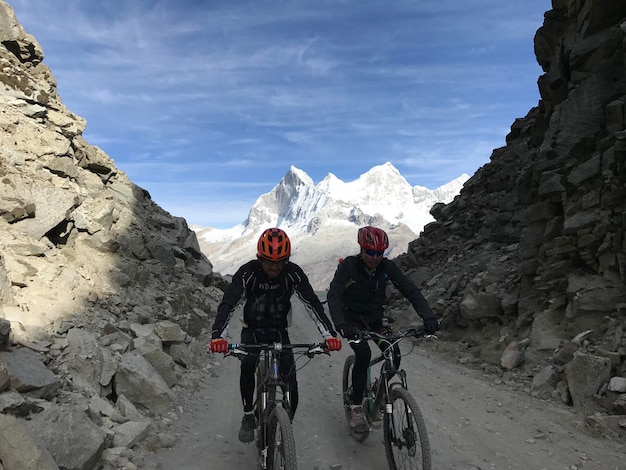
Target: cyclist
point(356, 300)
point(268, 283)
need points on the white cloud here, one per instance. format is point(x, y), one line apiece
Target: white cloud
point(238, 91)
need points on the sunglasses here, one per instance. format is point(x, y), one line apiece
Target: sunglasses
point(374, 252)
point(269, 262)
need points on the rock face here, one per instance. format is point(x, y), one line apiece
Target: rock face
point(533, 250)
point(102, 292)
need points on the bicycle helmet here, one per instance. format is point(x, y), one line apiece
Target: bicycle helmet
point(274, 245)
point(372, 238)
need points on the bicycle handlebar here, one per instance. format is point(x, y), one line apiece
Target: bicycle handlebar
point(240, 349)
point(416, 332)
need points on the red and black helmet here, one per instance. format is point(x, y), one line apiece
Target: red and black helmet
point(274, 245)
point(372, 238)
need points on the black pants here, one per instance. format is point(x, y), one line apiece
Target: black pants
point(363, 356)
point(248, 366)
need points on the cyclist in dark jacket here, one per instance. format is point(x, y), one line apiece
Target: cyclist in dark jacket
point(267, 283)
point(356, 300)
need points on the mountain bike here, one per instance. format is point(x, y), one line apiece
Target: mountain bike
point(274, 432)
point(404, 431)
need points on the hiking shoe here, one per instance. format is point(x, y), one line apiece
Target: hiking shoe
point(357, 420)
point(246, 432)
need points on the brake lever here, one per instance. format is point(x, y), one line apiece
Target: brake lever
point(235, 352)
point(316, 350)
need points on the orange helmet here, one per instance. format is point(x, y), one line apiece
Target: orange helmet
point(274, 245)
point(372, 238)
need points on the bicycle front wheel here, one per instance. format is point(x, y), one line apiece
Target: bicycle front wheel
point(282, 446)
point(406, 438)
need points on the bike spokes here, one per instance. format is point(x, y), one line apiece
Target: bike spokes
point(406, 439)
point(404, 428)
point(278, 450)
point(282, 447)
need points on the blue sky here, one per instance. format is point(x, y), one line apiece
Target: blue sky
point(206, 104)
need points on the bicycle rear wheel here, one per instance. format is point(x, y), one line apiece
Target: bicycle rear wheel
point(347, 392)
point(282, 446)
point(406, 438)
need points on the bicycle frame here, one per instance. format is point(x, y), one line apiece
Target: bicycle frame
point(388, 370)
point(269, 381)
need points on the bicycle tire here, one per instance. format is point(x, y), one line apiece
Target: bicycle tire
point(282, 446)
point(347, 389)
point(412, 449)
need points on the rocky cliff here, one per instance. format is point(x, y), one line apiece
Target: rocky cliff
point(102, 292)
point(527, 266)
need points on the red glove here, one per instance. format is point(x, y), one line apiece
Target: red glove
point(333, 344)
point(218, 345)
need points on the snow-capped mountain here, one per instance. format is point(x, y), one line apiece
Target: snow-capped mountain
point(322, 219)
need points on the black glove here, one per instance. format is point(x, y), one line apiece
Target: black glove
point(431, 325)
point(348, 332)
point(385, 330)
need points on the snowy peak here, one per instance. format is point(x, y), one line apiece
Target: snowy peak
point(383, 175)
point(297, 177)
point(322, 219)
point(378, 193)
point(448, 191)
point(382, 188)
point(382, 193)
point(273, 207)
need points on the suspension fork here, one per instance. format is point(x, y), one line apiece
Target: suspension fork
point(272, 380)
point(395, 436)
point(383, 395)
point(264, 385)
point(261, 412)
point(279, 381)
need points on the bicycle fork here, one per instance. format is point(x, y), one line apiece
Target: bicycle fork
point(273, 381)
point(403, 437)
point(262, 427)
point(263, 414)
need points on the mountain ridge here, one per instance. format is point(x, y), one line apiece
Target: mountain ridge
point(322, 219)
point(105, 297)
point(526, 267)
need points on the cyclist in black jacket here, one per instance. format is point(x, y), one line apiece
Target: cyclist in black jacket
point(356, 300)
point(267, 283)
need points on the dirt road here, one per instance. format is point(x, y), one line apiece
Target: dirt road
point(473, 422)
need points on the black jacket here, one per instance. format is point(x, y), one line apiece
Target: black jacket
point(357, 295)
point(268, 301)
